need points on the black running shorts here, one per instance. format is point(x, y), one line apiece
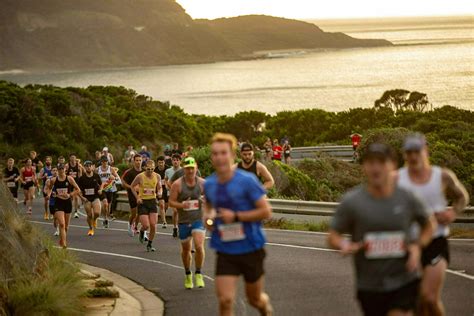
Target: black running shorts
point(433, 253)
point(148, 207)
point(248, 264)
point(380, 303)
point(63, 205)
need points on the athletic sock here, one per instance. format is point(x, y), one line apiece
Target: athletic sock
point(198, 271)
point(150, 242)
point(187, 271)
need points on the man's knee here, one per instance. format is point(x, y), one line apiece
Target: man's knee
point(226, 301)
point(254, 300)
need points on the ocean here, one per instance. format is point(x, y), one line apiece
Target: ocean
point(431, 55)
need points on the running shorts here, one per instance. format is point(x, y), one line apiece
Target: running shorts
point(63, 205)
point(186, 230)
point(28, 185)
point(148, 207)
point(433, 253)
point(248, 264)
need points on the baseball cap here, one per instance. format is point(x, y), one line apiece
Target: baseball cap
point(246, 147)
point(189, 162)
point(379, 150)
point(104, 158)
point(414, 142)
point(105, 149)
point(87, 163)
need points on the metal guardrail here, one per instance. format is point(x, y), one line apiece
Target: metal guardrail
point(340, 152)
point(311, 208)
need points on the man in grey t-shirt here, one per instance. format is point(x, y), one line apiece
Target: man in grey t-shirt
point(378, 216)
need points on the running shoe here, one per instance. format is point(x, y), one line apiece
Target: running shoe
point(56, 233)
point(141, 237)
point(90, 232)
point(145, 235)
point(175, 232)
point(112, 218)
point(130, 230)
point(163, 226)
point(150, 248)
point(46, 216)
point(106, 223)
point(188, 281)
point(76, 214)
point(199, 280)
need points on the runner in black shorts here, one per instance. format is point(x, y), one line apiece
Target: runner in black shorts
point(11, 176)
point(127, 178)
point(52, 199)
point(236, 204)
point(379, 216)
point(163, 200)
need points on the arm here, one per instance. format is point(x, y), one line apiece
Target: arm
point(174, 191)
point(337, 241)
point(135, 182)
point(455, 189)
point(21, 178)
point(267, 177)
point(262, 211)
point(77, 190)
point(158, 189)
point(125, 184)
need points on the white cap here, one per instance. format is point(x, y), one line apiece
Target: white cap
point(105, 149)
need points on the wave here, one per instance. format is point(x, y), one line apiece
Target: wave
point(12, 72)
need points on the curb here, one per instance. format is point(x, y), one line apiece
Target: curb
point(134, 298)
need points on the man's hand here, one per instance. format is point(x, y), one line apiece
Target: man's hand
point(413, 261)
point(348, 247)
point(227, 216)
point(139, 200)
point(446, 217)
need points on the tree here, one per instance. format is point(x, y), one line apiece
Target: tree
point(400, 99)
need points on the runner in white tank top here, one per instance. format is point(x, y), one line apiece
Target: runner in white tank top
point(431, 183)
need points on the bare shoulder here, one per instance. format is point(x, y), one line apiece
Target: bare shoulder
point(448, 176)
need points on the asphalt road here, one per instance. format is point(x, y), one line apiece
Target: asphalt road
point(303, 277)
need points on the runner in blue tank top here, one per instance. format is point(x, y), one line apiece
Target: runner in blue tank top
point(235, 206)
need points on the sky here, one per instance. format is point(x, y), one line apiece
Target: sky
point(328, 9)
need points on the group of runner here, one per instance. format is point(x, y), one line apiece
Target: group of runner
point(397, 220)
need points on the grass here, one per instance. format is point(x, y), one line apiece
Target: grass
point(103, 292)
point(291, 225)
point(462, 233)
point(103, 283)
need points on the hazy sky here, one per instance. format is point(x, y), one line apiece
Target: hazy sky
point(327, 9)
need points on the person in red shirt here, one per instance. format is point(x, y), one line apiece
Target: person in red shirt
point(356, 139)
point(277, 150)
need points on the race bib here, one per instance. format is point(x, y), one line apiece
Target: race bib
point(192, 205)
point(11, 184)
point(89, 191)
point(231, 232)
point(61, 191)
point(287, 152)
point(384, 245)
point(28, 179)
point(148, 191)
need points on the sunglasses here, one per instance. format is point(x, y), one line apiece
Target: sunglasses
point(149, 169)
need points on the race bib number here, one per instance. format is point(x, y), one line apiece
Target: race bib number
point(231, 232)
point(192, 205)
point(287, 152)
point(11, 184)
point(61, 191)
point(89, 191)
point(28, 179)
point(385, 245)
point(148, 191)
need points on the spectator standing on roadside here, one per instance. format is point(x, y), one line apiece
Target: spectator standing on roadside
point(277, 150)
point(146, 155)
point(129, 153)
point(287, 152)
point(268, 149)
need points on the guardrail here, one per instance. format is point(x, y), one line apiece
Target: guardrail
point(311, 208)
point(340, 152)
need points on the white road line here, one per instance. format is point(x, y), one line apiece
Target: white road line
point(132, 257)
point(464, 275)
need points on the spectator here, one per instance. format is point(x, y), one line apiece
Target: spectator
point(277, 150)
point(356, 139)
point(189, 149)
point(268, 149)
point(146, 155)
point(287, 152)
point(129, 153)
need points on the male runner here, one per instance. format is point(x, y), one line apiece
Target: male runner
point(37, 165)
point(163, 200)
point(251, 165)
point(108, 176)
point(176, 161)
point(432, 184)
point(11, 176)
point(29, 181)
point(378, 215)
point(52, 199)
point(63, 187)
point(91, 188)
point(149, 187)
point(127, 178)
point(235, 208)
point(74, 169)
point(45, 174)
point(61, 160)
point(186, 197)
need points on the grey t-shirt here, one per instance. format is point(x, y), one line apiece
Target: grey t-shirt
point(384, 226)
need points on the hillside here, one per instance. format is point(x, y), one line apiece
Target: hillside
point(78, 34)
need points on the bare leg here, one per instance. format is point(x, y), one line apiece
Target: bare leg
point(198, 238)
point(226, 286)
point(153, 218)
point(257, 298)
point(59, 215)
point(186, 254)
point(431, 286)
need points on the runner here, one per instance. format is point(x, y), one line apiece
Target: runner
point(268, 149)
point(28, 181)
point(108, 176)
point(176, 161)
point(287, 152)
point(45, 174)
point(11, 176)
point(63, 187)
point(37, 165)
point(61, 160)
point(277, 150)
point(74, 169)
point(127, 178)
point(91, 188)
point(163, 200)
point(52, 199)
point(378, 215)
point(251, 165)
point(149, 187)
point(110, 157)
point(237, 234)
point(431, 183)
point(186, 197)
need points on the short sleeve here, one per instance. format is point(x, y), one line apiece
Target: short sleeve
point(419, 210)
point(254, 189)
point(343, 218)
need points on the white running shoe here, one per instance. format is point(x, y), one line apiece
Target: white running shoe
point(56, 233)
point(76, 214)
point(145, 236)
point(130, 230)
